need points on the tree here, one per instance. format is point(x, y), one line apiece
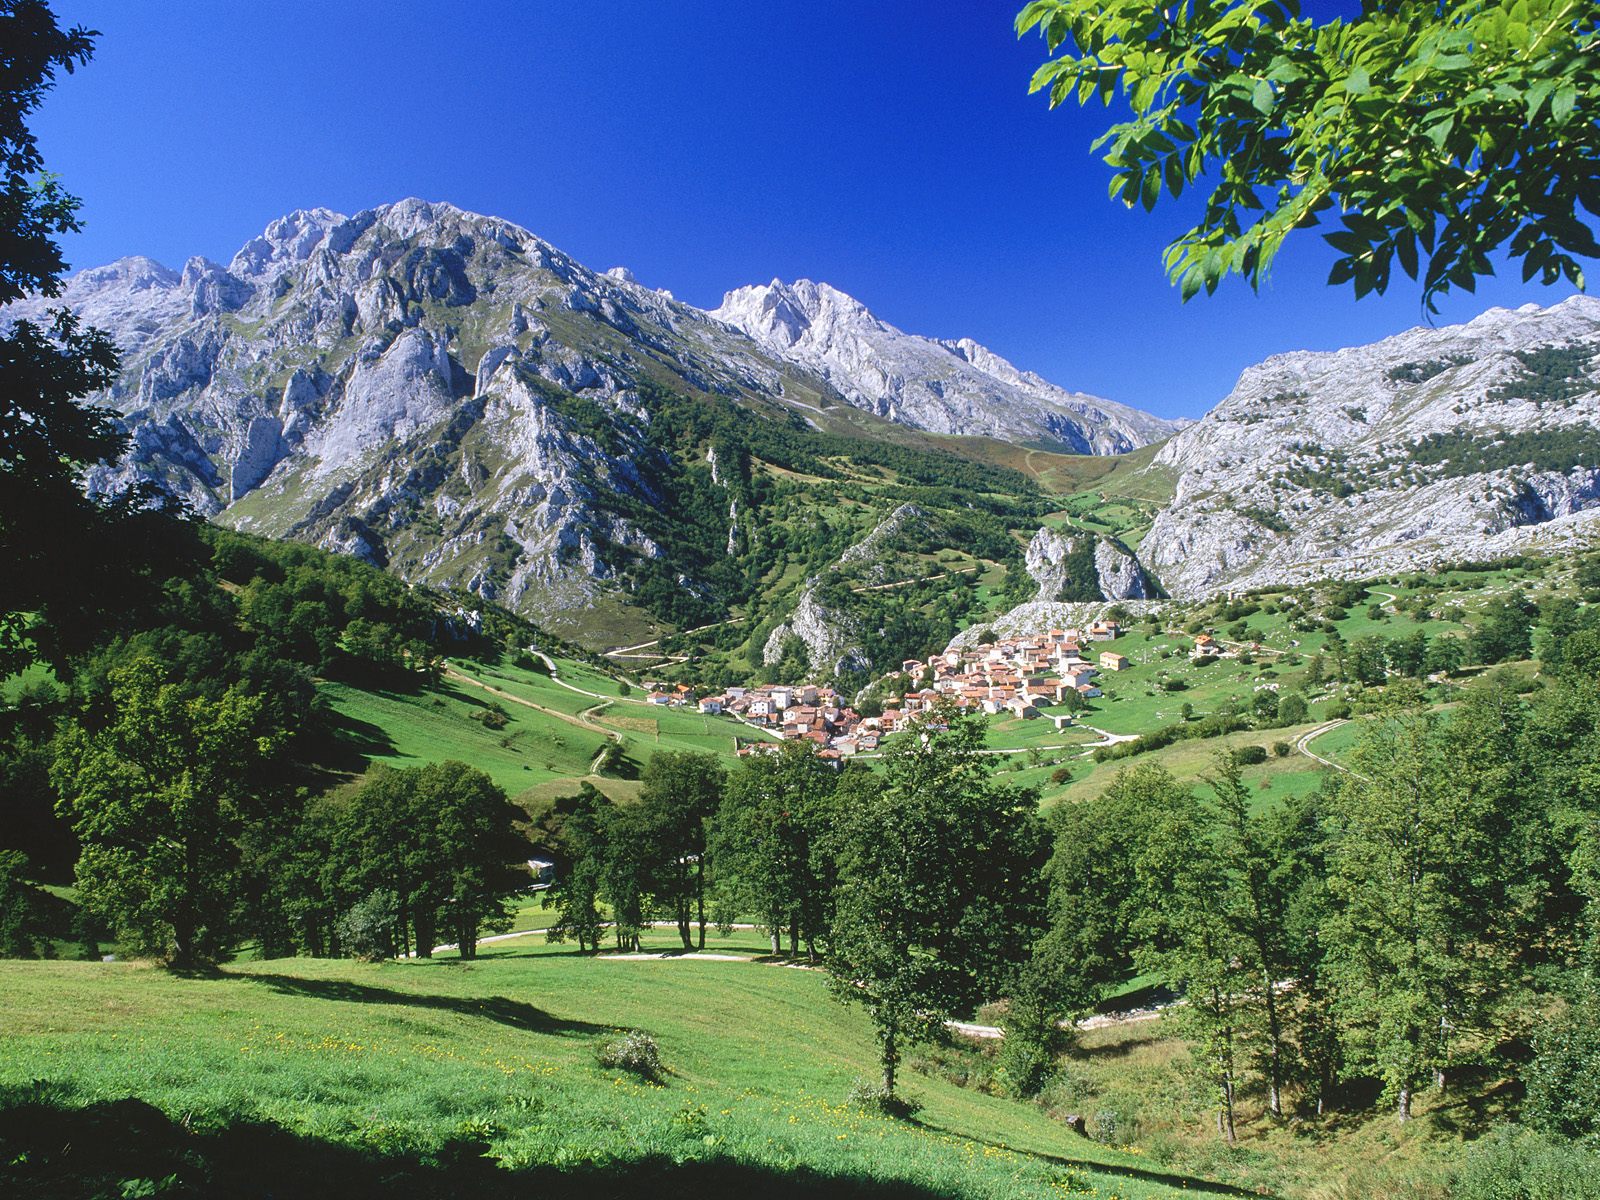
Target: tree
point(940, 894)
point(1257, 910)
point(1292, 709)
point(1439, 131)
point(1190, 940)
point(768, 841)
point(155, 797)
point(482, 859)
point(1095, 891)
point(1504, 633)
point(53, 538)
point(1368, 661)
point(442, 840)
point(580, 846)
point(681, 791)
point(23, 919)
point(1408, 832)
point(1445, 655)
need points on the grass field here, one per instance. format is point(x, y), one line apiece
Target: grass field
point(404, 1067)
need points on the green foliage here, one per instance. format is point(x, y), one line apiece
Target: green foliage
point(1461, 453)
point(1297, 119)
point(1563, 1080)
point(769, 842)
point(440, 841)
point(1550, 375)
point(939, 897)
point(1421, 372)
point(1516, 1164)
point(156, 797)
point(24, 920)
point(681, 793)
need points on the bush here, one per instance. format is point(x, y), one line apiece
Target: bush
point(1061, 775)
point(1104, 1126)
point(1517, 1164)
point(1564, 1077)
point(1337, 711)
point(494, 719)
point(1249, 756)
point(635, 1052)
point(1282, 749)
point(869, 1095)
point(368, 930)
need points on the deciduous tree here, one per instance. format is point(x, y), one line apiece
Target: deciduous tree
point(1437, 133)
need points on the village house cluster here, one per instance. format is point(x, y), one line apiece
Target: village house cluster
point(1018, 676)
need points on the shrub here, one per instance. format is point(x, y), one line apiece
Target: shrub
point(1061, 775)
point(635, 1052)
point(1517, 1164)
point(1282, 749)
point(368, 930)
point(1249, 756)
point(494, 719)
point(1564, 1077)
point(1337, 711)
point(1104, 1126)
point(870, 1095)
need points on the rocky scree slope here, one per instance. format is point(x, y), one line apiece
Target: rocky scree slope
point(439, 392)
point(950, 387)
point(1470, 442)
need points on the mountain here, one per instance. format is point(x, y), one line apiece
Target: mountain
point(950, 387)
point(1468, 442)
point(449, 396)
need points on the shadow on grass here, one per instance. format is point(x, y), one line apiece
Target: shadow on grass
point(50, 1150)
point(1189, 1183)
point(503, 1011)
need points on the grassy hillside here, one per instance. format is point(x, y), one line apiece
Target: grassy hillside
point(395, 1072)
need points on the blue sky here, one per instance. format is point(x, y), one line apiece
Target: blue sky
point(889, 148)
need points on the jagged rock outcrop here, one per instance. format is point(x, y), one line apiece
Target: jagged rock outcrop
point(830, 639)
point(1466, 442)
point(956, 387)
point(1076, 567)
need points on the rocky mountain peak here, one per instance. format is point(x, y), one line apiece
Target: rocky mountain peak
point(953, 387)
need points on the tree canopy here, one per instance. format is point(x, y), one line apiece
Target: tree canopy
point(1436, 132)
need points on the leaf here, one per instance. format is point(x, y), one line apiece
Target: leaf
point(1150, 192)
point(1262, 97)
point(1565, 101)
point(1358, 83)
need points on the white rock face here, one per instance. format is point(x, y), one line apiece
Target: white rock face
point(1118, 575)
point(955, 387)
point(1311, 467)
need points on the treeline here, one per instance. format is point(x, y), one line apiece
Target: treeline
point(1428, 917)
point(200, 703)
point(920, 886)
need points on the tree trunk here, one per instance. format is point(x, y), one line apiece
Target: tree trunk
point(891, 1057)
point(794, 938)
point(777, 942)
point(1275, 1050)
point(700, 897)
point(1225, 1117)
point(1404, 1108)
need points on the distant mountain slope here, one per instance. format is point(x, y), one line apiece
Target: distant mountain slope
point(452, 397)
point(1467, 442)
point(952, 387)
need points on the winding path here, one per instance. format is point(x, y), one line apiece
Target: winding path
point(1302, 744)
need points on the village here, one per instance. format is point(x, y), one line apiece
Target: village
point(1015, 676)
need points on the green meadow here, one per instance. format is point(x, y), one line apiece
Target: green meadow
point(407, 1070)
